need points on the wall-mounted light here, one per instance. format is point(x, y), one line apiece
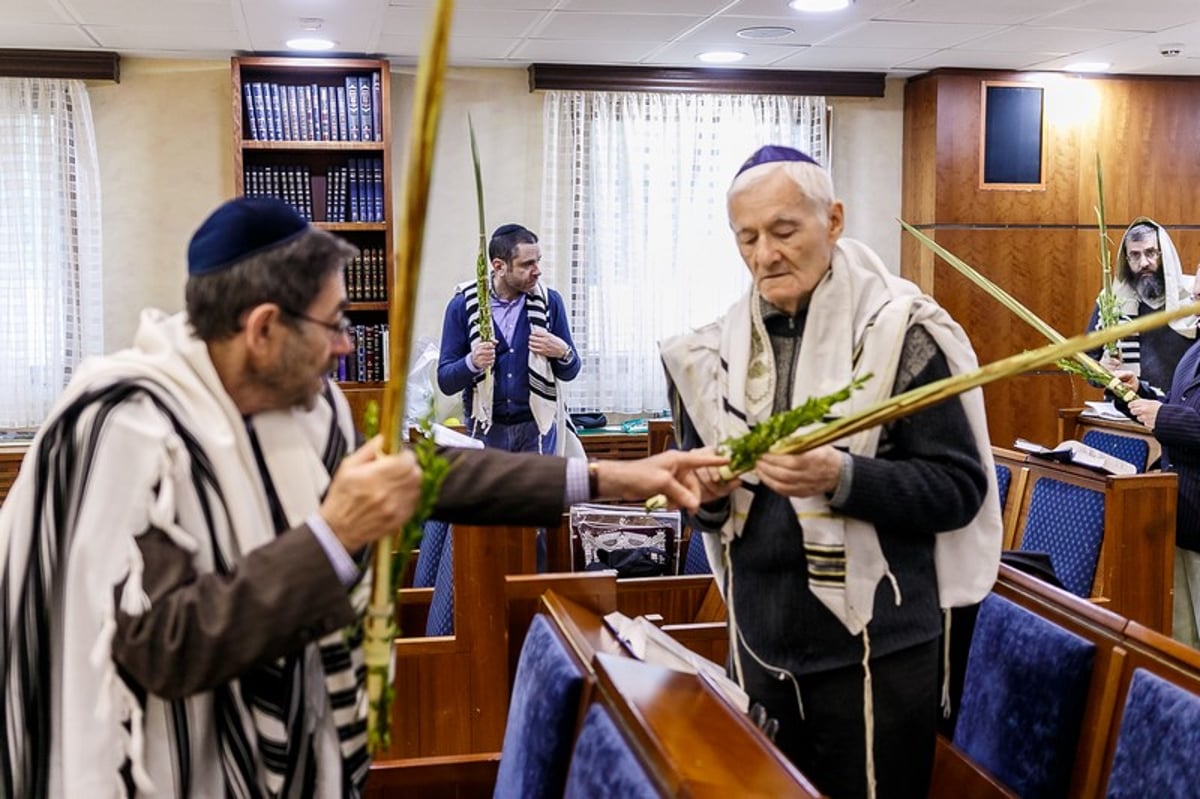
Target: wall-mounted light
point(721, 56)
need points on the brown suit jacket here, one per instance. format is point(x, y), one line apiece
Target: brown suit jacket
point(204, 629)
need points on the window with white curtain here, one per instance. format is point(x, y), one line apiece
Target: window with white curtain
point(50, 252)
point(634, 229)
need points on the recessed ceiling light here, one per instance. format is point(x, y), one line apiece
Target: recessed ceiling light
point(819, 5)
point(766, 32)
point(1088, 66)
point(310, 44)
point(721, 56)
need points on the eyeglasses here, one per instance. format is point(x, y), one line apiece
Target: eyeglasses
point(1150, 255)
point(335, 329)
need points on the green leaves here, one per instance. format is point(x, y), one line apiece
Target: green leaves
point(745, 451)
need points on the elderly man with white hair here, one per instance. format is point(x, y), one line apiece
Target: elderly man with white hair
point(836, 564)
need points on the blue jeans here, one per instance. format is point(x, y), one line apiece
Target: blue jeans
point(519, 437)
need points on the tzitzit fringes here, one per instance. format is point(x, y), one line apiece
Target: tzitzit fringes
point(946, 663)
point(868, 714)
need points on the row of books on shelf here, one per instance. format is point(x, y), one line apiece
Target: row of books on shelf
point(312, 112)
point(353, 193)
point(292, 184)
point(368, 361)
point(366, 276)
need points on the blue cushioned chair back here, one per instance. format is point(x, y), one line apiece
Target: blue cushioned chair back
point(697, 559)
point(432, 540)
point(1003, 479)
point(1157, 741)
point(1066, 522)
point(603, 766)
point(1023, 698)
point(541, 718)
point(1127, 448)
point(441, 609)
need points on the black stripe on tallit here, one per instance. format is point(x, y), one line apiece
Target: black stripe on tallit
point(30, 646)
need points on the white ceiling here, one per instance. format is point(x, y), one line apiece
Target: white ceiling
point(899, 37)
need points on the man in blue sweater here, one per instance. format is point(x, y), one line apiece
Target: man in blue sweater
point(531, 351)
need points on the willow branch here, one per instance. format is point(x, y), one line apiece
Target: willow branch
point(922, 397)
point(1089, 367)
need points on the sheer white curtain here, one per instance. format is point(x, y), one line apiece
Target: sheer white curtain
point(634, 230)
point(50, 279)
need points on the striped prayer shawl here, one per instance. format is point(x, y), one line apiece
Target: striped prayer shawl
point(258, 723)
point(543, 390)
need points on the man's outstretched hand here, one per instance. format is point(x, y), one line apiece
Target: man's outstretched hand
point(670, 473)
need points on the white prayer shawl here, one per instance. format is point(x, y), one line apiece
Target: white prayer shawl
point(88, 743)
point(1176, 292)
point(856, 325)
point(546, 402)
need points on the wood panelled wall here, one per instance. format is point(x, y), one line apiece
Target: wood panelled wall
point(1042, 246)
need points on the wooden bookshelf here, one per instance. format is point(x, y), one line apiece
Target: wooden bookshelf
point(298, 136)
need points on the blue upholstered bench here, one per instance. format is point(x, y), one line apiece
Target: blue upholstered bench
point(541, 717)
point(441, 607)
point(603, 766)
point(1023, 698)
point(1066, 521)
point(433, 540)
point(1157, 741)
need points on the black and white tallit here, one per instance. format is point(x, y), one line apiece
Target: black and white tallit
point(544, 399)
point(147, 439)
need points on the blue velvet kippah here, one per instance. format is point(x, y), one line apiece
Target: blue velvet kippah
point(240, 228)
point(774, 152)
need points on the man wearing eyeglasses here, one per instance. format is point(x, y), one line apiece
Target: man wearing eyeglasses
point(1148, 277)
point(181, 556)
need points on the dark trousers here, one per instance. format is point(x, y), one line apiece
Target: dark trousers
point(521, 437)
point(828, 744)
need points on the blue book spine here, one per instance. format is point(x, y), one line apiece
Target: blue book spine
point(260, 112)
point(377, 105)
point(377, 190)
point(276, 115)
point(340, 118)
point(365, 120)
point(354, 131)
point(248, 111)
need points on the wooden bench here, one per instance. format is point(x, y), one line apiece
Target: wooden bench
point(451, 691)
point(688, 737)
point(1135, 565)
point(1073, 424)
point(11, 455)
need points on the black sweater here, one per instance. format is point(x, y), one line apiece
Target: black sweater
point(926, 478)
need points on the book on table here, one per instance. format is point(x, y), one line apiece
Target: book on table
point(1078, 453)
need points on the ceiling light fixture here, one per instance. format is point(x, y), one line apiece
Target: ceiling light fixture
point(721, 56)
point(819, 6)
point(765, 32)
point(1088, 66)
point(310, 44)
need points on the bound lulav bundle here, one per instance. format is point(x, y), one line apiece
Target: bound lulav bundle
point(380, 621)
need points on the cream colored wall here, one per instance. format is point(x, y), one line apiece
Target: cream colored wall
point(164, 137)
point(165, 142)
point(508, 130)
point(867, 144)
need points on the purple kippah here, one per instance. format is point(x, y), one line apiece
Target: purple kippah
point(774, 152)
point(240, 228)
